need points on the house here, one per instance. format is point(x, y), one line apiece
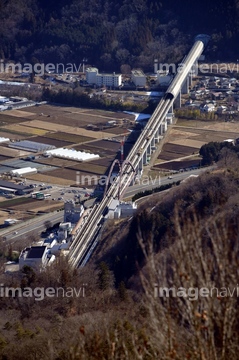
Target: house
point(35, 257)
point(221, 109)
point(208, 107)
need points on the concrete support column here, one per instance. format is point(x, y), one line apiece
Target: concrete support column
point(156, 138)
point(153, 141)
point(170, 110)
point(177, 102)
point(140, 167)
point(144, 157)
point(184, 89)
point(148, 149)
point(165, 125)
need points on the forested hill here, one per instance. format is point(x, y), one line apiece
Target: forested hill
point(111, 33)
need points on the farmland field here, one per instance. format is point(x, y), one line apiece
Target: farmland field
point(47, 140)
point(75, 139)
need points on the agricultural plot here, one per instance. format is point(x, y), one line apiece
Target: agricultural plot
point(24, 205)
point(89, 167)
point(10, 135)
point(95, 150)
point(53, 178)
point(21, 128)
point(54, 161)
point(173, 151)
point(189, 142)
point(6, 119)
point(64, 126)
point(3, 158)
point(177, 165)
point(5, 151)
point(71, 138)
point(115, 130)
point(107, 145)
point(27, 112)
point(47, 140)
point(49, 126)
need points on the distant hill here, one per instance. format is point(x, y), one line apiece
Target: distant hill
point(109, 34)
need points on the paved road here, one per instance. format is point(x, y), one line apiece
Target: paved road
point(144, 184)
point(35, 225)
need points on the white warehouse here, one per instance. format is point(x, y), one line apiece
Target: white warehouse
point(71, 154)
point(23, 171)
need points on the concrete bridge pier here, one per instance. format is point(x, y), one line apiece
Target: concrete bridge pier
point(177, 102)
point(156, 137)
point(185, 85)
point(152, 142)
point(144, 157)
point(165, 125)
point(149, 151)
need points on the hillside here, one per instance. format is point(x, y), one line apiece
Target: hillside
point(188, 242)
point(108, 34)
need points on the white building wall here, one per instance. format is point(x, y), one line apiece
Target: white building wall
point(93, 77)
point(138, 78)
point(163, 78)
point(91, 74)
point(109, 80)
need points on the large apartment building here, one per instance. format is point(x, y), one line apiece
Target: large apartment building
point(110, 80)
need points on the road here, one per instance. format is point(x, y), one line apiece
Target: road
point(37, 225)
point(149, 185)
point(34, 225)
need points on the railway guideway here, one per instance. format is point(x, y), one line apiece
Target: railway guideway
point(83, 240)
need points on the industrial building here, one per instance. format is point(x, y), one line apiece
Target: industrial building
point(119, 209)
point(110, 80)
point(13, 188)
point(35, 257)
point(64, 231)
point(23, 171)
point(138, 78)
point(163, 77)
point(32, 146)
point(72, 212)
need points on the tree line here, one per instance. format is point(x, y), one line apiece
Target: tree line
point(108, 35)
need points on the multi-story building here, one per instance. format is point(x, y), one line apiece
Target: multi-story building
point(72, 212)
point(138, 78)
point(110, 80)
point(35, 257)
point(163, 77)
point(91, 74)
